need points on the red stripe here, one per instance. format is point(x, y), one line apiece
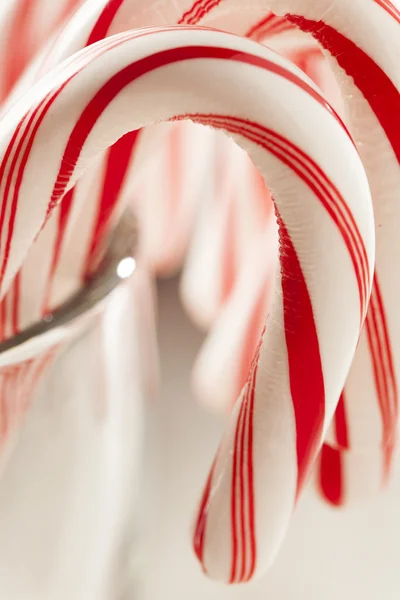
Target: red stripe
point(382, 364)
point(247, 476)
point(388, 456)
point(175, 165)
point(279, 27)
point(261, 195)
point(386, 340)
point(340, 421)
point(330, 475)
point(237, 495)
point(246, 486)
point(104, 22)
point(64, 213)
point(371, 80)
point(254, 30)
point(16, 304)
point(3, 167)
point(305, 368)
point(19, 43)
point(200, 9)
point(356, 249)
point(268, 26)
point(373, 342)
point(228, 257)
point(390, 8)
point(201, 523)
point(118, 159)
point(45, 104)
point(250, 474)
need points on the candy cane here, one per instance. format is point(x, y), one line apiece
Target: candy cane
point(234, 24)
point(372, 106)
point(261, 465)
point(76, 232)
point(228, 233)
point(26, 25)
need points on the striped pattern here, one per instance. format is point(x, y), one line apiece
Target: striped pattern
point(244, 548)
point(28, 24)
point(356, 62)
point(390, 8)
point(381, 337)
point(343, 209)
point(312, 175)
point(268, 26)
point(383, 97)
point(198, 11)
point(18, 384)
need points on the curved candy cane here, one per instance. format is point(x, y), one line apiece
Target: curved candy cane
point(363, 40)
point(75, 236)
point(223, 14)
point(326, 238)
point(227, 278)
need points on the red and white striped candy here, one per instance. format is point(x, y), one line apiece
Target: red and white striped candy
point(74, 236)
point(363, 38)
point(239, 213)
point(25, 25)
point(326, 238)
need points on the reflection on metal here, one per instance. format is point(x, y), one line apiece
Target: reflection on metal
point(117, 265)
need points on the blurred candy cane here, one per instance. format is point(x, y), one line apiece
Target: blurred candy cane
point(26, 25)
point(326, 240)
point(77, 232)
point(18, 384)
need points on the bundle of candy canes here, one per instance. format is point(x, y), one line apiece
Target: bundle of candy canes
point(296, 281)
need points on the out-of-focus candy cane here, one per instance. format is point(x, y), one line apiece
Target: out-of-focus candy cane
point(210, 270)
point(75, 235)
point(25, 25)
point(171, 187)
point(18, 383)
point(279, 423)
point(246, 256)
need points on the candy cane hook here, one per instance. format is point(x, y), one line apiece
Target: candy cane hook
point(326, 242)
